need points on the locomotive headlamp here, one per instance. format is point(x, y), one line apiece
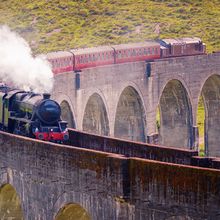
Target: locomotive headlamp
point(41, 136)
point(66, 137)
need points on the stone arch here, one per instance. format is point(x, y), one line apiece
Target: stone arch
point(175, 116)
point(95, 119)
point(130, 121)
point(95, 206)
point(72, 211)
point(67, 114)
point(10, 204)
point(211, 96)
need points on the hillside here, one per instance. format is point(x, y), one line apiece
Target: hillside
point(61, 24)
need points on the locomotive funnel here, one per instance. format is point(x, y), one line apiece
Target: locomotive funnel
point(46, 95)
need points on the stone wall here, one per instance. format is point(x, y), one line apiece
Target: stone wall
point(48, 176)
point(130, 148)
point(174, 192)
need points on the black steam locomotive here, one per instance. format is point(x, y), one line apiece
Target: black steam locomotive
point(30, 114)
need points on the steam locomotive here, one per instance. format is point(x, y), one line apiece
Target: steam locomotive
point(30, 114)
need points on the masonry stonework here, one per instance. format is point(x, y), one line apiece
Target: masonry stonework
point(48, 176)
point(131, 99)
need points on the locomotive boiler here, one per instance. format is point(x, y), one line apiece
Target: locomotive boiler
point(31, 114)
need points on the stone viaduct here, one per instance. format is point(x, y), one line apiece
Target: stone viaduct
point(123, 100)
point(45, 181)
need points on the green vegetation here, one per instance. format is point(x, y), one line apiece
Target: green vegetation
point(200, 123)
point(50, 25)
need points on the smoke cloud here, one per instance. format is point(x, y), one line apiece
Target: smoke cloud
point(19, 67)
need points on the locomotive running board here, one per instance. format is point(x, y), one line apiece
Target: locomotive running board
point(20, 119)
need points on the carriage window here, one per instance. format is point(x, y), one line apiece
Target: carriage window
point(156, 51)
point(149, 51)
point(119, 54)
point(141, 52)
point(145, 51)
point(134, 53)
point(152, 50)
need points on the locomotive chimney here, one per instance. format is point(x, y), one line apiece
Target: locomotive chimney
point(46, 95)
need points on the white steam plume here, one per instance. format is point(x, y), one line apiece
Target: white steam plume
point(19, 67)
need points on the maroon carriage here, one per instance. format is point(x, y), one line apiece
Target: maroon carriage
point(61, 61)
point(137, 52)
point(91, 57)
point(182, 47)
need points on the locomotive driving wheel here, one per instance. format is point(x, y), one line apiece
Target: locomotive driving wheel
point(21, 128)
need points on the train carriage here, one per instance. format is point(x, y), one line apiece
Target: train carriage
point(91, 57)
point(136, 52)
point(78, 59)
point(181, 47)
point(61, 61)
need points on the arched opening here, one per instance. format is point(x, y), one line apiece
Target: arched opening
point(211, 97)
point(175, 116)
point(95, 118)
point(201, 125)
point(158, 123)
point(130, 117)
point(72, 212)
point(10, 205)
point(66, 114)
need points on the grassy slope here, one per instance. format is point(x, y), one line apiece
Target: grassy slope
point(62, 24)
